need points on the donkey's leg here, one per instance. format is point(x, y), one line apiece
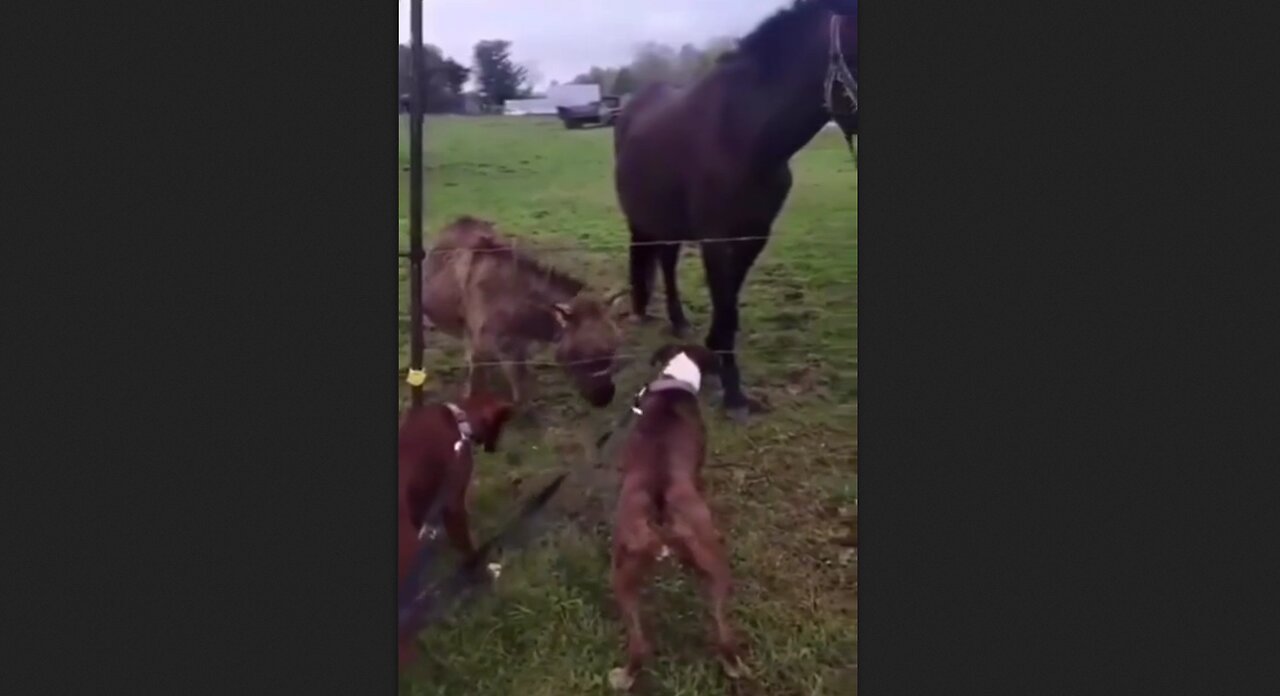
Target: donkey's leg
point(473, 375)
point(480, 355)
point(515, 368)
point(727, 264)
point(669, 256)
point(642, 263)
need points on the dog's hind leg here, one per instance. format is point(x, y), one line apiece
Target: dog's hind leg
point(455, 525)
point(694, 532)
point(631, 561)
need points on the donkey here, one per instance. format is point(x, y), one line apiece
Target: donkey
point(710, 163)
point(502, 303)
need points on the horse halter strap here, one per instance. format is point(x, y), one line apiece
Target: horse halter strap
point(838, 72)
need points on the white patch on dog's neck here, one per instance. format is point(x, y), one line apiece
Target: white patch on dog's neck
point(685, 370)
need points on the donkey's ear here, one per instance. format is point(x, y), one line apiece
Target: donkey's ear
point(563, 313)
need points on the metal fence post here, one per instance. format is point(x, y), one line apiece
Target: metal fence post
point(416, 109)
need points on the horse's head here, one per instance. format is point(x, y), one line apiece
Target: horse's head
point(588, 346)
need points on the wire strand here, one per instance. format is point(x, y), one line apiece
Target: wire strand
point(615, 247)
point(623, 357)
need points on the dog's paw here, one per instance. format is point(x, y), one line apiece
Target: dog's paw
point(495, 570)
point(620, 679)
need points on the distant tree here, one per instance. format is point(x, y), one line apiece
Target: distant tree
point(443, 78)
point(532, 78)
point(718, 47)
point(604, 77)
point(498, 75)
point(655, 62)
point(624, 83)
point(456, 75)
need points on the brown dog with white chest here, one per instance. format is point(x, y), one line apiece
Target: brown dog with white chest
point(661, 505)
point(434, 456)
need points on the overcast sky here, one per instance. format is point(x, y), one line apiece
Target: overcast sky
point(561, 39)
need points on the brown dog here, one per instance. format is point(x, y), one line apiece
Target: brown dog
point(435, 461)
point(661, 507)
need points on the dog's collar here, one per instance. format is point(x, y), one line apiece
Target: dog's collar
point(664, 383)
point(464, 427)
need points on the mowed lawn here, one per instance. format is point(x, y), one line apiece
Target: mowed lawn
point(784, 487)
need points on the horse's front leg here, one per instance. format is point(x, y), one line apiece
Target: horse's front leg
point(726, 266)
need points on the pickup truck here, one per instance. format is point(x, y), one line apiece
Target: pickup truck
point(601, 113)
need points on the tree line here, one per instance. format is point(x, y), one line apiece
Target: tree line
point(498, 77)
point(655, 62)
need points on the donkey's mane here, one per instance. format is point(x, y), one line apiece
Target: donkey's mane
point(556, 279)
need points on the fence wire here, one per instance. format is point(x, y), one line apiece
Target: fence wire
point(630, 358)
point(528, 250)
point(534, 247)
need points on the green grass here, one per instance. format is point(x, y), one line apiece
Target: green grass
point(784, 487)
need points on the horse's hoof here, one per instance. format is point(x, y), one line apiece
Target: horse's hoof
point(740, 411)
point(738, 414)
point(620, 679)
point(527, 417)
point(680, 330)
point(641, 319)
point(757, 406)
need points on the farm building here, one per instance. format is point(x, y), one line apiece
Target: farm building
point(559, 95)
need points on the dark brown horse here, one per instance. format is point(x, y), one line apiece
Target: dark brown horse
point(709, 163)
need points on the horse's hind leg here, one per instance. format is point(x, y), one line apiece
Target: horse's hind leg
point(643, 257)
point(669, 256)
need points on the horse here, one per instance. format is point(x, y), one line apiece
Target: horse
point(502, 302)
point(709, 163)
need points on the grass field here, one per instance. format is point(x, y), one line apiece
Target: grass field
point(784, 487)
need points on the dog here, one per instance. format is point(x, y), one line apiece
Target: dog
point(435, 467)
point(662, 508)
